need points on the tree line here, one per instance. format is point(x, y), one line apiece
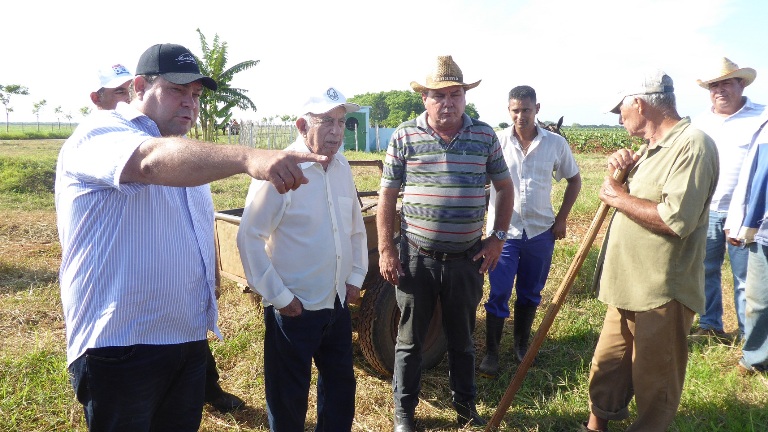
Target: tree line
point(388, 109)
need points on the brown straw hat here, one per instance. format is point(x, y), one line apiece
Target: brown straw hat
point(729, 69)
point(446, 74)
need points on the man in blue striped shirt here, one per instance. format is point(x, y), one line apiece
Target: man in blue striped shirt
point(135, 222)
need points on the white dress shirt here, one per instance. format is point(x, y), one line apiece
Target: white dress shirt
point(548, 157)
point(732, 135)
point(308, 243)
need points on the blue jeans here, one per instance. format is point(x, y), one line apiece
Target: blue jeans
point(290, 345)
point(713, 264)
point(526, 259)
point(458, 285)
point(141, 388)
point(755, 350)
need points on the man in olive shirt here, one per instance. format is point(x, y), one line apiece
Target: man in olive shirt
point(651, 267)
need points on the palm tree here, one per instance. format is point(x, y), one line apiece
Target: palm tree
point(216, 107)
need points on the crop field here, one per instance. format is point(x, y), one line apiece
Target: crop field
point(36, 395)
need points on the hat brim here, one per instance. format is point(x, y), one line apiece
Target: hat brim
point(182, 78)
point(616, 108)
point(117, 82)
point(320, 109)
point(747, 74)
point(442, 84)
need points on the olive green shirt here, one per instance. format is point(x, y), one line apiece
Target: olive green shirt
point(643, 270)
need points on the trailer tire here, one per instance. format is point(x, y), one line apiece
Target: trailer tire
point(377, 329)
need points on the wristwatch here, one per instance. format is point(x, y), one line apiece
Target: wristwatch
point(501, 235)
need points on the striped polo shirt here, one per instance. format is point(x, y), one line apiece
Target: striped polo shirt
point(443, 183)
point(138, 261)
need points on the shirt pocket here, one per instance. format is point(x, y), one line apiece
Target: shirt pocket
point(651, 191)
point(345, 214)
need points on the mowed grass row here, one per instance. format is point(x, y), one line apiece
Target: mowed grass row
point(35, 394)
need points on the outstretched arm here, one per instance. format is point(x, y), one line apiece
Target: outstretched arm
point(180, 161)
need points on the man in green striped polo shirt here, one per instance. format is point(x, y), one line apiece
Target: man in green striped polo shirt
point(441, 161)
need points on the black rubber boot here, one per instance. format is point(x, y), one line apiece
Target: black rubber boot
point(494, 327)
point(466, 414)
point(524, 316)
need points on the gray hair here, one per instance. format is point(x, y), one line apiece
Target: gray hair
point(664, 102)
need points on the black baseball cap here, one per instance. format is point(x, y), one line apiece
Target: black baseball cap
point(174, 63)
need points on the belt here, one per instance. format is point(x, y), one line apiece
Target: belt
point(437, 255)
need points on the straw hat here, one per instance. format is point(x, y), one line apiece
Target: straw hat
point(446, 74)
point(729, 69)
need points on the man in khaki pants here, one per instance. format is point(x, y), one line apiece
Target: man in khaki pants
point(650, 270)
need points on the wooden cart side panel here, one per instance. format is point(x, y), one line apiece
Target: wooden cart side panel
point(228, 253)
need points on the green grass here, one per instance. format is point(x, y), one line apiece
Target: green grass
point(35, 394)
point(33, 131)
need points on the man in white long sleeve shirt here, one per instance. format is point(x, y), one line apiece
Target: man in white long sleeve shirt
point(305, 253)
point(731, 121)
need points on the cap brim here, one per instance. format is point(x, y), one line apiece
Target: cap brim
point(615, 109)
point(182, 78)
point(319, 109)
point(117, 82)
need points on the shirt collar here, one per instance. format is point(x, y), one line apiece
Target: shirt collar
point(128, 111)
point(300, 146)
point(669, 139)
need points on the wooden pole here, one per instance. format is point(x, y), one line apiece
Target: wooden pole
point(554, 307)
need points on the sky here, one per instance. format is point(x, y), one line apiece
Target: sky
point(576, 54)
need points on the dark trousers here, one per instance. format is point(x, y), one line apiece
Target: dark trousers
point(141, 387)
point(290, 345)
point(212, 387)
point(458, 285)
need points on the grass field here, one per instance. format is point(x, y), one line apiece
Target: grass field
point(36, 395)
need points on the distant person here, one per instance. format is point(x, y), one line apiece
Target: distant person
point(112, 91)
point(650, 269)
point(534, 157)
point(441, 159)
point(731, 121)
point(306, 314)
point(135, 222)
point(114, 86)
point(747, 226)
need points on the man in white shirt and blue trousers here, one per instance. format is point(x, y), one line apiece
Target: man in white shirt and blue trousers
point(305, 253)
point(534, 156)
